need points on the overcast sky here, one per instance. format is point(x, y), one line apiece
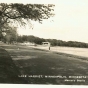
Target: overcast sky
point(69, 23)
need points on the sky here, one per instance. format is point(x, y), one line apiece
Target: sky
point(70, 22)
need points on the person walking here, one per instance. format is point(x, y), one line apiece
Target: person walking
point(49, 46)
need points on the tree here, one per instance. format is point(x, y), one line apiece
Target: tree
point(11, 35)
point(18, 13)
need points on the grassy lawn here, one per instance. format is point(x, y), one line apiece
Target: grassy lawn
point(32, 65)
point(8, 70)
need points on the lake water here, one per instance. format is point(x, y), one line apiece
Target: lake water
point(69, 50)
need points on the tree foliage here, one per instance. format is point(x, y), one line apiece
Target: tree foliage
point(54, 42)
point(15, 12)
point(11, 35)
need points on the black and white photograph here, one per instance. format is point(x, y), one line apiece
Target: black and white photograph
point(44, 43)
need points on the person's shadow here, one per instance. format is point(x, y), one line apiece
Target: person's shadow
point(8, 70)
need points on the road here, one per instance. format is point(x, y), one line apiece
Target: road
point(46, 67)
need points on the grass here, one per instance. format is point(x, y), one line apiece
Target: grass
point(8, 70)
point(29, 61)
